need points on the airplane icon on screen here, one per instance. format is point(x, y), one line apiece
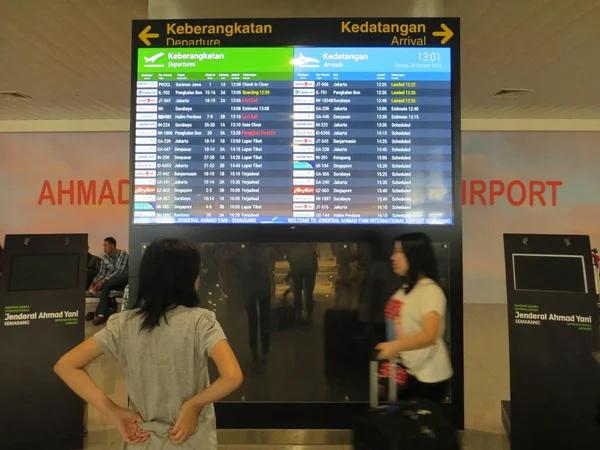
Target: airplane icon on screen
point(151, 60)
point(305, 61)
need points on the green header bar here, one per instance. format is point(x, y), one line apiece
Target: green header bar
point(214, 61)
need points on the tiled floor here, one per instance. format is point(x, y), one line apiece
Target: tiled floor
point(486, 384)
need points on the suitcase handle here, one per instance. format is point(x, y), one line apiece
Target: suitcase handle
point(374, 381)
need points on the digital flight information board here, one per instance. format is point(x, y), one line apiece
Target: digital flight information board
point(294, 121)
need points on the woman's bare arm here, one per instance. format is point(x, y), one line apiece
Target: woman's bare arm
point(230, 377)
point(71, 369)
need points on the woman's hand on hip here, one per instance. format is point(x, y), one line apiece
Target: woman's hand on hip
point(128, 423)
point(186, 423)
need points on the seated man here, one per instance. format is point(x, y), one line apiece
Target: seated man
point(113, 275)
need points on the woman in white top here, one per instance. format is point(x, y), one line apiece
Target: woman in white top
point(415, 320)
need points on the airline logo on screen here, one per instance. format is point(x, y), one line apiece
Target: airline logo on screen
point(145, 190)
point(303, 190)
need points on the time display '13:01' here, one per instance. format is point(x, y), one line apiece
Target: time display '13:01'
point(293, 136)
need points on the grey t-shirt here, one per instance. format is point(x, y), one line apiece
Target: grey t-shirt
point(163, 368)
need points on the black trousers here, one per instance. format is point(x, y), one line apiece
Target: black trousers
point(304, 278)
point(436, 392)
point(258, 309)
point(117, 282)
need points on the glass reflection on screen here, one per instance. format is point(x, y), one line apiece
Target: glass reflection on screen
point(302, 318)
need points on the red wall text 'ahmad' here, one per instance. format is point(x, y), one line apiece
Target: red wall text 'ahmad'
point(84, 192)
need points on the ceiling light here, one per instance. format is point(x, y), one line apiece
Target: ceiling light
point(512, 93)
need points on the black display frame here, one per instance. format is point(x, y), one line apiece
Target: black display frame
point(553, 378)
point(291, 32)
point(32, 393)
point(318, 415)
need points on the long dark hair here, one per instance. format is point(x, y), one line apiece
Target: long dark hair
point(421, 258)
point(168, 274)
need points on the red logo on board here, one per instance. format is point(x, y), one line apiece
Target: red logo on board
point(304, 190)
point(145, 190)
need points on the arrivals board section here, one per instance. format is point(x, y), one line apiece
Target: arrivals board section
point(293, 135)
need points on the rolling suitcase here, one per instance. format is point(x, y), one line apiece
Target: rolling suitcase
point(415, 424)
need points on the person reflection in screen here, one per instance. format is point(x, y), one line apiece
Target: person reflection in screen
point(345, 255)
point(256, 284)
point(378, 285)
point(163, 344)
point(304, 264)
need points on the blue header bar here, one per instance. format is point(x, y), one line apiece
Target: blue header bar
point(368, 59)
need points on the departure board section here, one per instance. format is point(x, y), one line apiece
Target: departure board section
point(293, 135)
